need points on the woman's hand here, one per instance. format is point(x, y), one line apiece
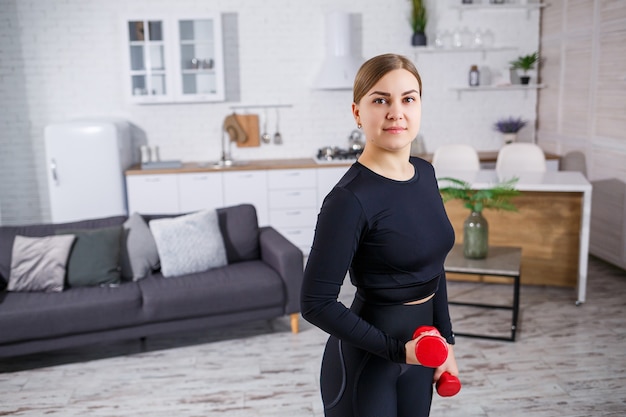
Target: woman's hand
point(411, 357)
point(449, 365)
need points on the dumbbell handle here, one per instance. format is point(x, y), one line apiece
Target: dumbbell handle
point(431, 350)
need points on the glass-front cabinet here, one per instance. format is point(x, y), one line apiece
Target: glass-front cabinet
point(175, 59)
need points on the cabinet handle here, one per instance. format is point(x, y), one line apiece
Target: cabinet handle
point(292, 213)
point(153, 179)
point(294, 194)
point(293, 232)
point(53, 171)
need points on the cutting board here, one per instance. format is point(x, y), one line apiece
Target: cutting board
point(250, 125)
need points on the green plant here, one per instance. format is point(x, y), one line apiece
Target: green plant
point(418, 18)
point(525, 62)
point(497, 197)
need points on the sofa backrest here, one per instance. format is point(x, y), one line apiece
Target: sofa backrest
point(238, 224)
point(8, 233)
point(240, 230)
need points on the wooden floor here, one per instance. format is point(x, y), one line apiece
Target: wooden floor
point(567, 361)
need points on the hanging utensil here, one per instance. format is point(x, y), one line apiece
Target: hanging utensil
point(278, 139)
point(265, 137)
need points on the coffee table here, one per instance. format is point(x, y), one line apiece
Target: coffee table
point(501, 261)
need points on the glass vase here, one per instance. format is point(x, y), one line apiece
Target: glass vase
point(475, 236)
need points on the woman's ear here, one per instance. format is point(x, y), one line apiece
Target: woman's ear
point(356, 113)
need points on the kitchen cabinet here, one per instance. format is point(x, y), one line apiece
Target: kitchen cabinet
point(197, 191)
point(152, 194)
point(174, 59)
point(292, 196)
point(326, 180)
point(247, 187)
point(288, 199)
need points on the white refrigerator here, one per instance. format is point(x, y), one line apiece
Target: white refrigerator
point(86, 161)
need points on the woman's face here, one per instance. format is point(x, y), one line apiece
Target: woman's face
point(391, 111)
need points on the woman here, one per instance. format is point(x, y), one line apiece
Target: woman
point(385, 223)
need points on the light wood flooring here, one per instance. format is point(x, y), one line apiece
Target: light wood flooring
point(568, 361)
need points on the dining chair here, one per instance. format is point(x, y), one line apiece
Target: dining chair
point(520, 157)
point(457, 157)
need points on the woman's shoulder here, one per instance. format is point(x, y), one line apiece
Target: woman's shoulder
point(422, 163)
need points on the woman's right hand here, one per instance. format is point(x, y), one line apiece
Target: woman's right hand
point(409, 346)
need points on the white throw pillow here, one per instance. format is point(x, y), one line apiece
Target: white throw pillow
point(190, 243)
point(39, 263)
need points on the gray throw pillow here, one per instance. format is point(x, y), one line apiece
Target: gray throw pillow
point(139, 254)
point(95, 256)
point(39, 263)
point(190, 243)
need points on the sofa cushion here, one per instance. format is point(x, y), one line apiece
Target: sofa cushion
point(95, 256)
point(189, 244)
point(240, 230)
point(37, 315)
point(139, 255)
point(39, 263)
point(8, 233)
point(237, 287)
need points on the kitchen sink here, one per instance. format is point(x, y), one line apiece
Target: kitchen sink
point(220, 165)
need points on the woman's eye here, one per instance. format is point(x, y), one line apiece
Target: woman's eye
point(380, 100)
point(409, 99)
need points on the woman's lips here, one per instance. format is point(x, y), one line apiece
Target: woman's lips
point(395, 129)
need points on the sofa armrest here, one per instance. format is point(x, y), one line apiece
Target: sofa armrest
point(287, 259)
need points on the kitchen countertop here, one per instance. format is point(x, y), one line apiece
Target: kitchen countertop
point(549, 181)
point(285, 163)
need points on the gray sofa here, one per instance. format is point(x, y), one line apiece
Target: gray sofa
point(262, 280)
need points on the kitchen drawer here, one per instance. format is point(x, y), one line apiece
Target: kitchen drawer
point(198, 191)
point(294, 198)
point(247, 187)
point(152, 194)
point(293, 217)
point(299, 236)
point(291, 178)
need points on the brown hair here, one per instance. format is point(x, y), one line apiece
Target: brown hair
point(375, 68)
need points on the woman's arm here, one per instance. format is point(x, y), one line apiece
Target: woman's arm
point(340, 225)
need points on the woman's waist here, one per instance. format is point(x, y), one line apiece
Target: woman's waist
point(398, 294)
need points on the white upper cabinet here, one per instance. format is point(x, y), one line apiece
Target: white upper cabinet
point(174, 59)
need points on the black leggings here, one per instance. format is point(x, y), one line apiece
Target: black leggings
point(356, 383)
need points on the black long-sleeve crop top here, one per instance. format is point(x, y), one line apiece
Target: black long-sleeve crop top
point(393, 237)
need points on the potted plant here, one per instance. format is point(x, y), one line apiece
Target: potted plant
point(525, 63)
point(509, 127)
point(418, 20)
point(475, 227)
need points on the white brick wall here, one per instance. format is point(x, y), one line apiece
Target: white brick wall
point(62, 60)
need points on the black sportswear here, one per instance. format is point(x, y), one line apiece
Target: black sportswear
point(393, 237)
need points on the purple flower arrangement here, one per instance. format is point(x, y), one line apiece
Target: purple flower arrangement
point(510, 125)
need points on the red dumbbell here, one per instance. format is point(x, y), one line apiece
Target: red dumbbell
point(431, 350)
point(448, 385)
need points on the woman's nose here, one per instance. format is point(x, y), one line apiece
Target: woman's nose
point(395, 112)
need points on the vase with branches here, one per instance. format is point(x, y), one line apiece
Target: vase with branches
point(475, 227)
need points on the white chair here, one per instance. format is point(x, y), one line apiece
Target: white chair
point(456, 158)
point(520, 157)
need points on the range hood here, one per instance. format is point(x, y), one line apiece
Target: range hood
point(343, 53)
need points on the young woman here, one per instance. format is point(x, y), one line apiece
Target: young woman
point(384, 222)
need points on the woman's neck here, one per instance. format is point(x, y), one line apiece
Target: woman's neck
point(392, 165)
